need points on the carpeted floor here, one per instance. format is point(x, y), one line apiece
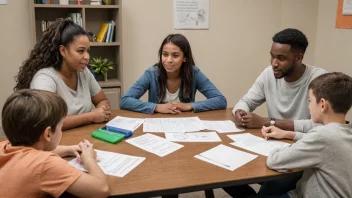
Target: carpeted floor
point(219, 193)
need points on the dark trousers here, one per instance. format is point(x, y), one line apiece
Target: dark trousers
point(269, 189)
point(280, 186)
point(240, 191)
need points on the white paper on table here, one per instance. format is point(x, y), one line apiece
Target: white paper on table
point(114, 164)
point(154, 144)
point(226, 157)
point(256, 144)
point(347, 7)
point(187, 124)
point(225, 126)
point(193, 137)
point(126, 123)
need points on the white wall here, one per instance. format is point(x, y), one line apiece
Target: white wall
point(14, 42)
point(232, 53)
point(333, 46)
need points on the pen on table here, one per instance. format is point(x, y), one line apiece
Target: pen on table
point(266, 137)
point(215, 161)
point(245, 113)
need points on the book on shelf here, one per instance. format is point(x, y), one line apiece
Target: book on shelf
point(106, 32)
point(42, 1)
point(46, 24)
point(95, 2)
point(110, 32)
point(61, 2)
point(76, 18)
point(102, 32)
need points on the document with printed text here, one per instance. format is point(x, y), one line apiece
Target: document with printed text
point(193, 137)
point(226, 126)
point(114, 164)
point(256, 144)
point(125, 123)
point(182, 125)
point(226, 157)
point(154, 144)
point(347, 7)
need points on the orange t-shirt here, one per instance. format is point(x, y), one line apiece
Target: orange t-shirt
point(28, 172)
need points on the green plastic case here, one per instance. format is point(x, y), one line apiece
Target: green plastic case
point(107, 136)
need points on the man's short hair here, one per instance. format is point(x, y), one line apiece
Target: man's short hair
point(335, 87)
point(28, 112)
point(293, 37)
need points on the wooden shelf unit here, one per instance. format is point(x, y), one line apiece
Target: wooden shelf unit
point(92, 18)
point(75, 6)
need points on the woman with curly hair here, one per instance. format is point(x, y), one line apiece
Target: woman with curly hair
point(58, 63)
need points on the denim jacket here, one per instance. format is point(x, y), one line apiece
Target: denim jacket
point(149, 81)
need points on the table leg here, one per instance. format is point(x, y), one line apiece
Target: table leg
point(209, 193)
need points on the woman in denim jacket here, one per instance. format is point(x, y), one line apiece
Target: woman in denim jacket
point(172, 83)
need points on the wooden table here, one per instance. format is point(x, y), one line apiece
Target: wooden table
point(178, 172)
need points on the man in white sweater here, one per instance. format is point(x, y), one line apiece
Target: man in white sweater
point(283, 85)
point(325, 151)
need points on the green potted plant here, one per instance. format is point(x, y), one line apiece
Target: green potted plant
point(99, 65)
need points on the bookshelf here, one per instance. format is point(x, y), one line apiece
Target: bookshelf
point(92, 18)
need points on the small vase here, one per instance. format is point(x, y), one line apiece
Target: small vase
point(107, 2)
point(106, 76)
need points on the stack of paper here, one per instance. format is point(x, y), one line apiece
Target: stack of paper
point(172, 124)
point(225, 126)
point(115, 164)
point(256, 144)
point(154, 144)
point(193, 137)
point(130, 124)
point(226, 157)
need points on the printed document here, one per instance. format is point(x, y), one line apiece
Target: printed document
point(226, 157)
point(347, 7)
point(154, 144)
point(193, 137)
point(182, 125)
point(256, 144)
point(125, 123)
point(114, 164)
point(225, 126)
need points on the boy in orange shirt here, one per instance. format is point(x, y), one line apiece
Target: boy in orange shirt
point(30, 160)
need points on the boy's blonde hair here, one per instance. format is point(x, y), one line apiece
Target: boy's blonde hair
point(335, 87)
point(28, 112)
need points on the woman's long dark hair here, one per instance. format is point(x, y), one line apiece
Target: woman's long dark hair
point(186, 70)
point(46, 52)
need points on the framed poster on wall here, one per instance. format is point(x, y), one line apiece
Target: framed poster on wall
point(191, 14)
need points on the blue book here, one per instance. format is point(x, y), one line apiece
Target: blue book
point(126, 133)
